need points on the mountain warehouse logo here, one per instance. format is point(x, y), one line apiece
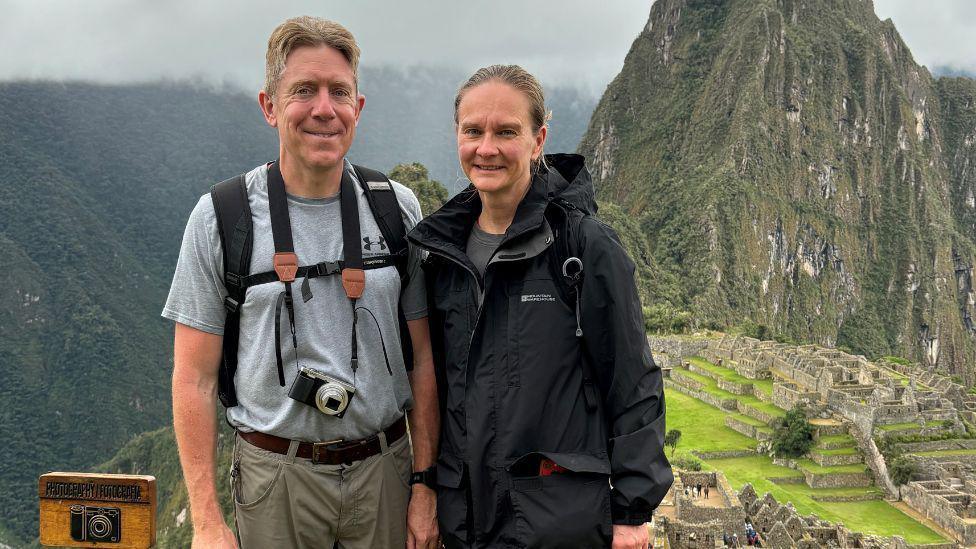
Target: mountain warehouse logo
point(537, 297)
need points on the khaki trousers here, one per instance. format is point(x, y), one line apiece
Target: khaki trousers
point(282, 501)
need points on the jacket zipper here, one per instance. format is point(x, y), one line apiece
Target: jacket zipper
point(481, 299)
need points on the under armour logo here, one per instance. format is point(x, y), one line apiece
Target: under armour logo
point(369, 243)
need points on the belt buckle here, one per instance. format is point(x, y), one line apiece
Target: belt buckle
point(319, 448)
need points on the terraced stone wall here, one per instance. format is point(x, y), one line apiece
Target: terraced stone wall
point(829, 460)
point(734, 387)
point(668, 351)
point(746, 429)
point(694, 536)
point(838, 480)
point(708, 398)
point(939, 510)
point(788, 395)
point(935, 445)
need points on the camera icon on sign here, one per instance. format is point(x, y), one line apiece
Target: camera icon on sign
point(95, 523)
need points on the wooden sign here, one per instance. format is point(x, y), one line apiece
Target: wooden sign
point(97, 510)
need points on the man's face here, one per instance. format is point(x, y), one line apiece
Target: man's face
point(316, 108)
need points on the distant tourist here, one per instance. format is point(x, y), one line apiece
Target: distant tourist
point(536, 323)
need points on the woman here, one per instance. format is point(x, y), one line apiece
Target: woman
point(547, 385)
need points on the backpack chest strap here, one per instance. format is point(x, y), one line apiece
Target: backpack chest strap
point(324, 268)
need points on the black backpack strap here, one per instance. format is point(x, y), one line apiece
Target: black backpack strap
point(234, 227)
point(383, 203)
point(386, 210)
point(569, 261)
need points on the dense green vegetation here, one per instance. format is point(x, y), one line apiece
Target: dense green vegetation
point(95, 185)
point(792, 434)
point(431, 194)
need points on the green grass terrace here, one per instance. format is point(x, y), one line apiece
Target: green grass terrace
point(764, 385)
point(710, 386)
point(703, 429)
point(907, 426)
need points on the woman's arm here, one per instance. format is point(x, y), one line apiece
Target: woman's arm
point(615, 345)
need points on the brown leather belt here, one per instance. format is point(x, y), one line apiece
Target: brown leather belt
point(332, 452)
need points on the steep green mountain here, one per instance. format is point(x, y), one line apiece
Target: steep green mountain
point(792, 165)
point(95, 185)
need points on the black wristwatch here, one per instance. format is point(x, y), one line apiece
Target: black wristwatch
point(427, 477)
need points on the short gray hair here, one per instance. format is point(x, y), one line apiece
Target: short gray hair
point(306, 31)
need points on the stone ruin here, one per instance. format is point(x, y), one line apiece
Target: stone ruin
point(694, 523)
point(865, 393)
point(946, 496)
point(699, 523)
point(869, 399)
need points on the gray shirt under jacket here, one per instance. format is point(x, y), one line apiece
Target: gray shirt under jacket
point(323, 324)
point(481, 246)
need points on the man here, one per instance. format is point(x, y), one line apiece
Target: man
point(309, 470)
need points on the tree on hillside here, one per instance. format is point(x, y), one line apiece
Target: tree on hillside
point(671, 439)
point(793, 434)
point(902, 469)
point(431, 194)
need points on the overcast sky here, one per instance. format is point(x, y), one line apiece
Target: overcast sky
point(562, 41)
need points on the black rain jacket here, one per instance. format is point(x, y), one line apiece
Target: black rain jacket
point(511, 375)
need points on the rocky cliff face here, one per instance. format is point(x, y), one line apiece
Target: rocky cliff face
point(791, 164)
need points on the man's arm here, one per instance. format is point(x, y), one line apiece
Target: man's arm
point(196, 359)
point(424, 433)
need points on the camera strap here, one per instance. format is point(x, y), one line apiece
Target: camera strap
point(286, 261)
point(353, 275)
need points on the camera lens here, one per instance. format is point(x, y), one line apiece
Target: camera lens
point(99, 526)
point(331, 399)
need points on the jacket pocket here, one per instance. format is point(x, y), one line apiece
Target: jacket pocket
point(567, 509)
point(541, 330)
point(452, 505)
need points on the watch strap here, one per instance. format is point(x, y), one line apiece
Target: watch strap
point(427, 477)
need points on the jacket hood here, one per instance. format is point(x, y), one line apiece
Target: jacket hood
point(566, 177)
point(569, 179)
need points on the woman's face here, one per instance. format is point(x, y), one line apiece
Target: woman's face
point(496, 144)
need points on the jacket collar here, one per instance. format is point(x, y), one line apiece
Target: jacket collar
point(448, 227)
point(445, 232)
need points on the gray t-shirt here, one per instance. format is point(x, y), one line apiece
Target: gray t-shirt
point(323, 324)
point(481, 246)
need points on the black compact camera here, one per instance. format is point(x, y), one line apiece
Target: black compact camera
point(318, 390)
point(95, 523)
